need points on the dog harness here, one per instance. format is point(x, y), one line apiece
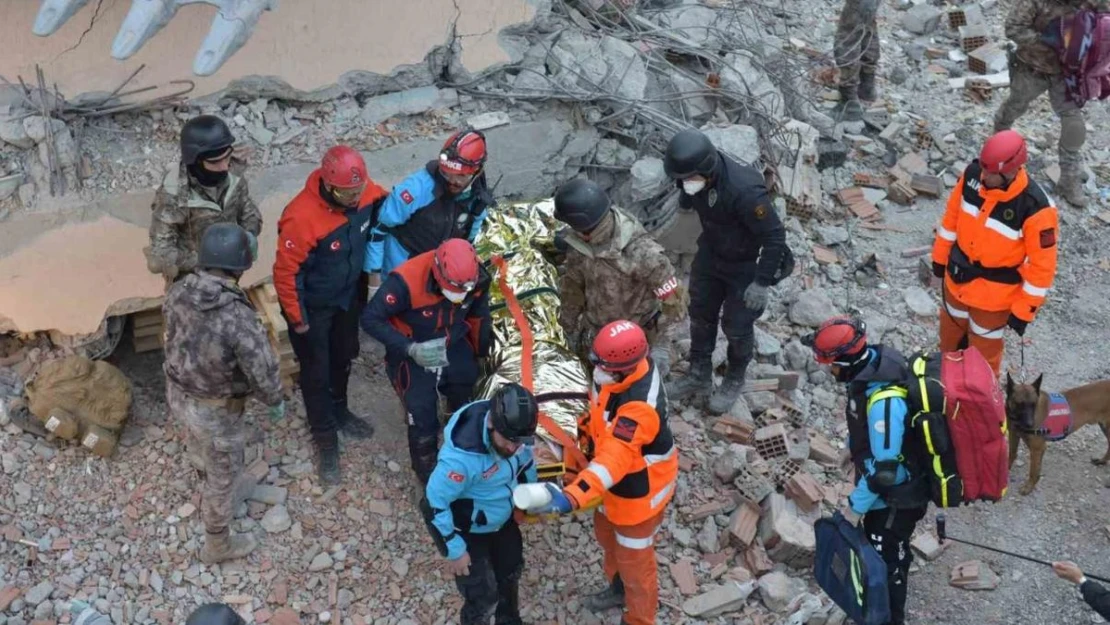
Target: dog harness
point(1058, 422)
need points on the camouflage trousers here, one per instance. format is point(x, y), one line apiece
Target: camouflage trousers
point(1026, 85)
point(856, 46)
point(217, 439)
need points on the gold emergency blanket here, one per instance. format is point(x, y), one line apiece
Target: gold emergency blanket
point(518, 232)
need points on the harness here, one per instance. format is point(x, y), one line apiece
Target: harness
point(1059, 421)
point(963, 270)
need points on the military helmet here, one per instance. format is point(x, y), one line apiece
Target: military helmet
point(225, 246)
point(690, 153)
point(514, 413)
point(581, 204)
point(204, 135)
point(215, 614)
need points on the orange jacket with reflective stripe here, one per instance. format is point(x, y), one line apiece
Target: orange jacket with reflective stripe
point(1015, 227)
point(633, 459)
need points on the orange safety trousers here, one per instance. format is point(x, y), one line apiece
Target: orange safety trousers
point(630, 551)
point(962, 326)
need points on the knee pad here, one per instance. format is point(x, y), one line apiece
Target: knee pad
point(1073, 130)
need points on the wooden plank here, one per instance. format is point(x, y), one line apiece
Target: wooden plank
point(140, 332)
point(147, 318)
point(148, 343)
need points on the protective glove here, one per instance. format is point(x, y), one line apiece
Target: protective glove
point(661, 356)
point(557, 501)
point(755, 296)
point(429, 354)
point(254, 246)
point(277, 413)
point(1017, 325)
point(938, 269)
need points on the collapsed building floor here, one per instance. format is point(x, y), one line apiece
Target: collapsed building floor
point(584, 93)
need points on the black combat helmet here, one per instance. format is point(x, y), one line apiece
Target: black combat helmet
point(513, 413)
point(204, 135)
point(225, 246)
point(581, 204)
point(214, 614)
point(690, 153)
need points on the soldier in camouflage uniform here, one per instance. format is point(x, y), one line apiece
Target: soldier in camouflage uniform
point(217, 353)
point(614, 270)
point(1034, 70)
point(207, 188)
point(856, 48)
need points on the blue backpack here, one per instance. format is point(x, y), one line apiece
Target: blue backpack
point(851, 571)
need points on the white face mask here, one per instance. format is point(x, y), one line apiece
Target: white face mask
point(602, 378)
point(693, 185)
point(454, 297)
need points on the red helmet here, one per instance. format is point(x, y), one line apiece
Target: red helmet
point(838, 339)
point(464, 153)
point(619, 346)
point(1004, 153)
point(455, 265)
point(343, 167)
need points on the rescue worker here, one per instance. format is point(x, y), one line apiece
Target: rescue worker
point(996, 250)
point(741, 253)
point(445, 199)
point(856, 48)
point(207, 187)
point(1034, 70)
point(432, 315)
point(614, 270)
point(318, 276)
point(891, 493)
point(215, 614)
point(217, 353)
point(633, 470)
point(1096, 596)
point(487, 450)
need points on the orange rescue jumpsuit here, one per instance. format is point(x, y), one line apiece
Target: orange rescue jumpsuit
point(998, 247)
point(633, 468)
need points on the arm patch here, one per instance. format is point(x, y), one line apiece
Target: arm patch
point(406, 197)
point(456, 477)
point(625, 429)
point(1048, 238)
point(667, 289)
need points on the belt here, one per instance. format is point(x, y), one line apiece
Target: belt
point(964, 270)
point(238, 399)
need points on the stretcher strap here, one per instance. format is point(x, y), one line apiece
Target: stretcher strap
point(569, 445)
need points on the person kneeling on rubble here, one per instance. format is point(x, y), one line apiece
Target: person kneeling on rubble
point(217, 352)
point(634, 279)
point(633, 470)
point(432, 315)
point(487, 449)
point(891, 493)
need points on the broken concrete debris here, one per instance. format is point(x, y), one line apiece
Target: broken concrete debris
point(974, 575)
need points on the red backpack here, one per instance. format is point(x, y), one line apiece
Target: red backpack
point(958, 419)
point(1082, 43)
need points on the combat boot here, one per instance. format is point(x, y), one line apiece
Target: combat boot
point(867, 87)
point(611, 597)
point(327, 460)
point(697, 381)
point(350, 424)
point(849, 108)
point(726, 394)
point(1070, 186)
point(222, 546)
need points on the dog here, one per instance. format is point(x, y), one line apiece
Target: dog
point(1036, 418)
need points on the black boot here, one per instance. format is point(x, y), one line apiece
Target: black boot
point(727, 393)
point(867, 87)
point(697, 381)
point(327, 460)
point(611, 597)
point(741, 348)
point(422, 453)
point(350, 424)
point(849, 108)
point(508, 603)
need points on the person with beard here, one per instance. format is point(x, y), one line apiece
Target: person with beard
point(468, 508)
point(318, 276)
point(206, 188)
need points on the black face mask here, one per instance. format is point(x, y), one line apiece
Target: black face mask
point(205, 177)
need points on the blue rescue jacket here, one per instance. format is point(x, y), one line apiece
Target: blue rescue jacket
point(471, 488)
point(419, 214)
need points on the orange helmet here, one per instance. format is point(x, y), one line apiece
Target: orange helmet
point(463, 153)
point(1004, 153)
point(619, 347)
point(343, 167)
point(837, 340)
point(455, 265)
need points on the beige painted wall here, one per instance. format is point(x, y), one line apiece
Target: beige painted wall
point(308, 43)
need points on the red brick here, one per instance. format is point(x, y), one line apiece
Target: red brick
point(683, 574)
point(744, 523)
point(263, 615)
point(803, 490)
point(285, 616)
point(8, 595)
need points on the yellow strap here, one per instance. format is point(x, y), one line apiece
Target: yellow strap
point(887, 393)
point(856, 574)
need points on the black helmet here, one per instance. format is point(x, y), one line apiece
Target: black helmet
point(225, 246)
point(581, 204)
point(689, 153)
point(513, 413)
point(202, 135)
point(215, 614)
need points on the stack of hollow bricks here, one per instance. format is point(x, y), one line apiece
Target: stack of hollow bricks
point(984, 56)
point(782, 442)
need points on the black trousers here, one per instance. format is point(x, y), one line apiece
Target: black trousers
point(890, 531)
point(717, 285)
point(325, 353)
point(493, 585)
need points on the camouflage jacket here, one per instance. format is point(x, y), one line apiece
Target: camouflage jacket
point(183, 209)
point(1027, 21)
point(627, 277)
point(216, 347)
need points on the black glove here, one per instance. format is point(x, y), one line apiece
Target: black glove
point(1017, 325)
point(938, 269)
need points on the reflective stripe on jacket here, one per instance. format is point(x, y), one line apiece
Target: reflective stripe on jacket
point(1002, 231)
point(634, 462)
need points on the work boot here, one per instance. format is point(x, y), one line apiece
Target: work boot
point(327, 460)
point(611, 597)
point(222, 546)
point(1070, 186)
point(849, 109)
point(726, 394)
point(422, 454)
point(697, 381)
point(351, 425)
point(866, 89)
